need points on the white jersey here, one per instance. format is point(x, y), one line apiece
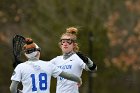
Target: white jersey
point(73, 65)
point(35, 76)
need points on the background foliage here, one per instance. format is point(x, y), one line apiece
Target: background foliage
point(115, 25)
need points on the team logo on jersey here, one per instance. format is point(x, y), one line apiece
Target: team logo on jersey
point(36, 67)
point(65, 67)
point(14, 73)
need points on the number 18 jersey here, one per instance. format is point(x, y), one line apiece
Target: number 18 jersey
point(35, 76)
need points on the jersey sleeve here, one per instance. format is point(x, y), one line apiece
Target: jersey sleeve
point(53, 60)
point(55, 71)
point(16, 76)
point(80, 62)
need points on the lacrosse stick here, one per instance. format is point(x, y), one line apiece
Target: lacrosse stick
point(18, 43)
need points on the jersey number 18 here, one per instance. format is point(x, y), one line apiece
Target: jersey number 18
point(42, 81)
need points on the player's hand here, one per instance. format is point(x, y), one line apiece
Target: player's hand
point(19, 91)
point(80, 83)
point(83, 57)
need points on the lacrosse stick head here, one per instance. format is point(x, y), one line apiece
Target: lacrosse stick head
point(18, 43)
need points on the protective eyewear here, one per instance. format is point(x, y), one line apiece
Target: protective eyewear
point(69, 41)
point(28, 51)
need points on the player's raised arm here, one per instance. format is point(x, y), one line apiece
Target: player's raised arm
point(71, 77)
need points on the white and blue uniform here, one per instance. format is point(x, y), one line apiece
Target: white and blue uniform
point(35, 75)
point(73, 65)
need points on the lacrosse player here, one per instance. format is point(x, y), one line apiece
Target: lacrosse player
point(35, 74)
point(71, 61)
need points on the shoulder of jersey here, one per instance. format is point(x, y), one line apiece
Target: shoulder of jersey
point(21, 64)
point(58, 57)
point(75, 55)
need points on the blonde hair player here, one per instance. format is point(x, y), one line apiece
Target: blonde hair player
point(35, 74)
point(71, 61)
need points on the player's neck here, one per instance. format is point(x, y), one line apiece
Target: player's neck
point(67, 55)
point(33, 59)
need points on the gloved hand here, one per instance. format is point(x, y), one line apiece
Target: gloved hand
point(86, 60)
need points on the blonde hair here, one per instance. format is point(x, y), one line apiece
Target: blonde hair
point(72, 33)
